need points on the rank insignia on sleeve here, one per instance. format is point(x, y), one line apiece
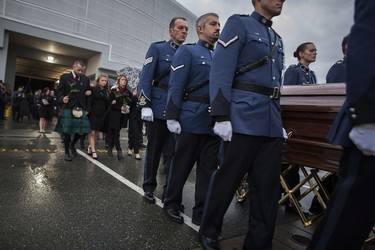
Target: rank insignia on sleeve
point(226, 44)
point(142, 101)
point(149, 60)
point(178, 67)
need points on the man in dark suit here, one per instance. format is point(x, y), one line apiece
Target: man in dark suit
point(350, 213)
point(72, 93)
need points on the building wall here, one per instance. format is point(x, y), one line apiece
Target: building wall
point(121, 29)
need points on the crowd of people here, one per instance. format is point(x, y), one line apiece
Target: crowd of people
point(219, 109)
point(39, 105)
point(91, 108)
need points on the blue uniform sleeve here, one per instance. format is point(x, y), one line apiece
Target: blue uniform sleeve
point(291, 76)
point(179, 78)
point(147, 76)
point(224, 64)
point(337, 73)
point(361, 75)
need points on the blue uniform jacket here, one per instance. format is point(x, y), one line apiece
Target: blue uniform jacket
point(337, 73)
point(158, 61)
point(191, 66)
point(244, 40)
point(299, 74)
point(360, 86)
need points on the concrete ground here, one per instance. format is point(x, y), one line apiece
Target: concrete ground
point(48, 203)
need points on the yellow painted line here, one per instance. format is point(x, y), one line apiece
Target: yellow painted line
point(33, 150)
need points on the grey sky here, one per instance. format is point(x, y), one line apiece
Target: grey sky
point(323, 22)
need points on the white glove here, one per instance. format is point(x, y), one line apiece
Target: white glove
point(285, 134)
point(363, 136)
point(174, 126)
point(224, 130)
point(147, 115)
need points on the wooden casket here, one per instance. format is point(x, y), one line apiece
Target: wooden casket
point(308, 112)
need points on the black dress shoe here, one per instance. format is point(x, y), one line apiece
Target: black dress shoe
point(174, 215)
point(73, 149)
point(67, 157)
point(182, 208)
point(209, 244)
point(196, 221)
point(149, 197)
point(290, 209)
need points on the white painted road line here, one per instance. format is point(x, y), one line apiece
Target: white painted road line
point(187, 219)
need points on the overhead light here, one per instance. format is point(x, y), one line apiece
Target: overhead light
point(50, 59)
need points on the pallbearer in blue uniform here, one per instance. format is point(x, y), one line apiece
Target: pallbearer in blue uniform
point(350, 212)
point(188, 115)
point(153, 85)
point(337, 73)
point(245, 78)
point(300, 73)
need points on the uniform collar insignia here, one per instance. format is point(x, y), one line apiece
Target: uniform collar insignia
point(206, 45)
point(263, 20)
point(174, 45)
point(304, 68)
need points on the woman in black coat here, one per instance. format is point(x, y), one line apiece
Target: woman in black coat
point(120, 99)
point(44, 107)
point(97, 108)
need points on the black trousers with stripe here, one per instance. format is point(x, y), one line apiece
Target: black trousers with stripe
point(190, 149)
point(159, 139)
point(261, 158)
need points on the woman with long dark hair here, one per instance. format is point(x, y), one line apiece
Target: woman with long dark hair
point(45, 103)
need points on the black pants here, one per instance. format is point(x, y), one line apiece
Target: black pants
point(114, 139)
point(159, 139)
point(261, 158)
point(16, 113)
point(2, 110)
point(292, 178)
point(134, 131)
point(191, 149)
point(68, 142)
point(350, 213)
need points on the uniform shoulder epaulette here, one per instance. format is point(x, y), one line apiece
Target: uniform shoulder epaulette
point(190, 43)
point(339, 61)
point(243, 14)
point(160, 42)
point(293, 66)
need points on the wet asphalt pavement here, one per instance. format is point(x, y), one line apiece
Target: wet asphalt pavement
point(48, 203)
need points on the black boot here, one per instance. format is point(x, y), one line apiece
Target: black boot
point(120, 155)
point(109, 152)
point(67, 157)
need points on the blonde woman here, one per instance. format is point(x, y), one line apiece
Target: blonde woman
point(98, 106)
